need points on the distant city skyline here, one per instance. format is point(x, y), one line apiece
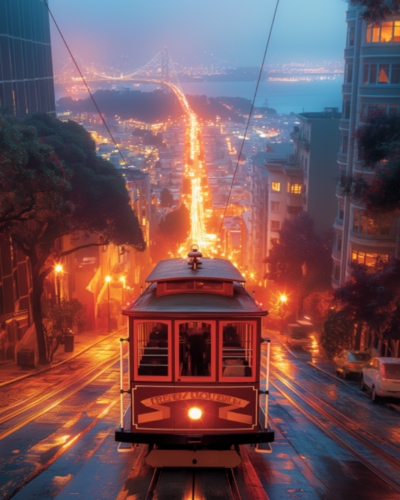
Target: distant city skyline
point(217, 33)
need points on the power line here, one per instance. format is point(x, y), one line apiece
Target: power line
point(251, 112)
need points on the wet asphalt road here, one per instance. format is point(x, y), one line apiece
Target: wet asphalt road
point(64, 448)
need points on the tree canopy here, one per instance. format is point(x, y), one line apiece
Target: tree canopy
point(167, 200)
point(377, 9)
point(91, 198)
point(176, 226)
point(32, 179)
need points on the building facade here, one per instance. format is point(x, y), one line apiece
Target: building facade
point(26, 69)
point(371, 85)
point(26, 86)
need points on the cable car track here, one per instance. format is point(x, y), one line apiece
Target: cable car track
point(324, 428)
point(108, 364)
point(193, 486)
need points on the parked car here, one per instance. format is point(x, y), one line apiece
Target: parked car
point(350, 362)
point(301, 335)
point(382, 377)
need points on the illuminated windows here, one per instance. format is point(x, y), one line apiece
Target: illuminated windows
point(383, 32)
point(379, 225)
point(294, 188)
point(368, 259)
point(276, 186)
point(275, 206)
point(381, 74)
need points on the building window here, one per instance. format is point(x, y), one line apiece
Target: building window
point(383, 32)
point(345, 144)
point(339, 243)
point(294, 188)
point(348, 73)
point(275, 225)
point(351, 36)
point(373, 109)
point(341, 211)
point(275, 206)
point(346, 110)
point(276, 186)
point(336, 272)
point(368, 259)
point(379, 225)
point(381, 74)
point(305, 164)
point(274, 241)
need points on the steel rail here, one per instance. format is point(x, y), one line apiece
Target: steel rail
point(378, 472)
point(155, 480)
point(23, 377)
point(233, 486)
point(50, 394)
point(39, 413)
point(378, 435)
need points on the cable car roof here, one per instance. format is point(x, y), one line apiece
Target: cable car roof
point(196, 304)
point(210, 269)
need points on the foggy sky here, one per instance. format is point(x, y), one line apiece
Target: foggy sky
point(199, 32)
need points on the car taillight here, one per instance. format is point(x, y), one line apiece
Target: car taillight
point(383, 372)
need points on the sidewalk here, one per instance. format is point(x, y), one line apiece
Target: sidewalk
point(9, 371)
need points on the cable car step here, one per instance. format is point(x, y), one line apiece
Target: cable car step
point(263, 448)
point(190, 458)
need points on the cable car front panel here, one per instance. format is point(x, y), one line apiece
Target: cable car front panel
point(194, 361)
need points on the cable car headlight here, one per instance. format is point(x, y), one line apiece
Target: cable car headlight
point(195, 413)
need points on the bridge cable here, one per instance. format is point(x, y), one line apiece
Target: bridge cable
point(248, 121)
point(97, 108)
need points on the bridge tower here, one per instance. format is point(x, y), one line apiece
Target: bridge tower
point(165, 61)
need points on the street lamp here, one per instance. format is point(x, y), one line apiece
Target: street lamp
point(58, 269)
point(123, 289)
point(283, 299)
point(108, 279)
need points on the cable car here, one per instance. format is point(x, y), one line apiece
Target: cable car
point(194, 366)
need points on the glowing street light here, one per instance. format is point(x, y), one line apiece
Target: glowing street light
point(283, 299)
point(58, 269)
point(108, 279)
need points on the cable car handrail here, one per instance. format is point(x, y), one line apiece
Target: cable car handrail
point(121, 371)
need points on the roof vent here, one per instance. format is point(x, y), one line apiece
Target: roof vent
point(194, 255)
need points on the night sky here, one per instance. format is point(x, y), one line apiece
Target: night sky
point(128, 33)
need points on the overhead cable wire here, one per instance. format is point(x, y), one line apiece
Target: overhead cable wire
point(250, 114)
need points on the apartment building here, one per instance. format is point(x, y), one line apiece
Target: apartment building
point(26, 86)
point(371, 84)
point(26, 69)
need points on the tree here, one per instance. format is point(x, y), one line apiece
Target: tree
point(31, 177)
point(96, 202)
point(336, 334)
point(167, 200)
point(59, 320)
point(301, 260)
point(371, 298)
point(377, 9)
point(176, 226)
point(379, 149)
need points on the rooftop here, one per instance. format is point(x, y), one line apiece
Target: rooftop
point(211, 269)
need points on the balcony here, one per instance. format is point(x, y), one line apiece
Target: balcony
point(342, 158)
point(296, 136)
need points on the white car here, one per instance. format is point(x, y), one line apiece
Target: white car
point(382, 377)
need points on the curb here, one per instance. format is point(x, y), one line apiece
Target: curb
point(8, 382)
point(327, 373)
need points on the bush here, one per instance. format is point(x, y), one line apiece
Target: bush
point(337, 334)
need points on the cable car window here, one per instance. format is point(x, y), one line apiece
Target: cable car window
point(237, 350)
point(153, 345)
point(209, 285)
point(195, 349)
point(180, 285)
